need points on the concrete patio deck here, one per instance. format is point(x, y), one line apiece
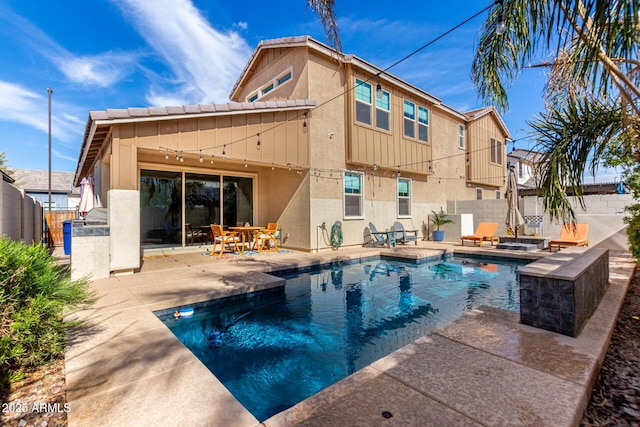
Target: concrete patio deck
point(127, 368)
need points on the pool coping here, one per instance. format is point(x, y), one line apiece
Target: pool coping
point(128, 361)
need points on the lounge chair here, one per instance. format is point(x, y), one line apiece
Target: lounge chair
point(402, 235)
point(374, 238)
point(571, 236)
point(266, 239)
point(485, 232)
point(226, 239)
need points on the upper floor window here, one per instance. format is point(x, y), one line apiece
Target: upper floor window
point(383, 109)
point(479, 193)
point(363, 102)
point(497, 194)
point(461, 132)
point(404, 197)
point(409, 119)
point(410, 122)
point(423, 124)
point(353, 195)
point(496, 151)
point(271, 85)
point(520, 170)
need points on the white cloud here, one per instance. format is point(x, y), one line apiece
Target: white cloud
point(30, 108)
point(102, 70)
point(242, 25)
point(97, 70)
point(205, 62)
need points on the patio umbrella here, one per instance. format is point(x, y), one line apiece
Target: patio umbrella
point(86, 196)
point(514, 218)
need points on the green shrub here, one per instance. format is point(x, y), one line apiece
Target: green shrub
point(35, 294)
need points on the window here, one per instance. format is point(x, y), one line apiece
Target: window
point(497, 194)
point(520, 170)
point(404, 197)
point(353, 195)
point(383, 107)
point(363, 102)
point(271, 85)
point(496, 151)
point(284, 78)
point(409, 119)
point(423, 124)
point(478, 193)
point(461, 141)
point(268, 88)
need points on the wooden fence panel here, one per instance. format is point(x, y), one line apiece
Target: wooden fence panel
point(54, 225)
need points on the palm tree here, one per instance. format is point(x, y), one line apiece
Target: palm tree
point(591, 96)
point(592, 115)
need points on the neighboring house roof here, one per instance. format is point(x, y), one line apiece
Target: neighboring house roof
point(599, 188)
point(37, 181)
point(99, 122)
point(311, 43)
point(528, 157)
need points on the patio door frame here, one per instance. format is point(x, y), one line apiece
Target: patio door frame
point(203, 171)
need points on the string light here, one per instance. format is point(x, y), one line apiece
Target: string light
point(224, 150)
point(501, 27)
point(212, 159)
point(201, 159)
point(273, 167)
point(166, 155)
point(177, 157)
point(304, 122)
point(379, 88)
point(245, 163)
point(258, 143)
point(181, 158)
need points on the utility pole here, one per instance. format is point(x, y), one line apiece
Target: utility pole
point(49, 92)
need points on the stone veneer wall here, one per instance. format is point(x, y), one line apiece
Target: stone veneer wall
point(560, 292)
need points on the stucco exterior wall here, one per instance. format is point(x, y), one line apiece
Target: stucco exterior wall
point(124, 222)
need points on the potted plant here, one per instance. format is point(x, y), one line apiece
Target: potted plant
point(439, 219)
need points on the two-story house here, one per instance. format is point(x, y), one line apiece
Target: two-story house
point(311, 136)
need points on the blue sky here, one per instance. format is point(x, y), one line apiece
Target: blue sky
point(103, 54)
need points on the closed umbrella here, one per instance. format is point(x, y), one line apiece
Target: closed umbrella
point(86, 196)
point(514, 218)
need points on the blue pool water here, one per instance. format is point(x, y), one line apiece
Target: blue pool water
point(275, 348)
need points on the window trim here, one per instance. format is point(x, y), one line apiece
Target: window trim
point(398, 197)
point(389, 120)
point(271, 85)
point(416, 122)
point(462, 136)
point(495, 147)
point(363, 83)
point(344, 195)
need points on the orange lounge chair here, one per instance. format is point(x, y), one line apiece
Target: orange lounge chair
point(485, 231)
point(571, 236)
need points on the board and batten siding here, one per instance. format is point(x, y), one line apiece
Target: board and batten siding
point(368, 145)
point(480, 169)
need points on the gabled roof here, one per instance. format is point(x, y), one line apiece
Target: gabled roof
point(479, 113)
point(100, 122)
point(37, 181)
point(311, 43)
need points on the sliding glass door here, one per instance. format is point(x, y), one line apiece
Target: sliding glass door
point(202, 200)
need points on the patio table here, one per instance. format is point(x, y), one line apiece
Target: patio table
point(246, 233)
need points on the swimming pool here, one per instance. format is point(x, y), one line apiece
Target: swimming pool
point(273, 349)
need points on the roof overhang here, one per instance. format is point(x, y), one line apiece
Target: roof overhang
point(100, 122)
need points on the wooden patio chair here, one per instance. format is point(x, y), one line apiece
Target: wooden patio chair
point(403, 236)
point(374, 238)
point(485, 232)
point(267, 238)
point(191, 235)
point(571, 236)
point(228, 239)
